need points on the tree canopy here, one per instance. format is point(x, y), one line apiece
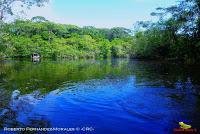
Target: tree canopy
point(22, 38)
point(176, 36)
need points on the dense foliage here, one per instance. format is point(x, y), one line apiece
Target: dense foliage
point(23, 38)
point(175, 36)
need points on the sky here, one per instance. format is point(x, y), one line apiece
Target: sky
point(99, 13)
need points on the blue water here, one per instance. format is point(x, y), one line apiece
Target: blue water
point(112, 97)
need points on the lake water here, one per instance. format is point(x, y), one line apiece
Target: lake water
point(99, 97)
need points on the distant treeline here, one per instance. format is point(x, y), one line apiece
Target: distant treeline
point(175, 36)
point(23, 38)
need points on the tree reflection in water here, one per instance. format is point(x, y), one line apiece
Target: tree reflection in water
point(23, 85)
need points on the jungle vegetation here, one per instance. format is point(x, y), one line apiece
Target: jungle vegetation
point(176, 35)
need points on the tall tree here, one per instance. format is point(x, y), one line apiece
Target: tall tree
point(186, 16)
point(39, 19)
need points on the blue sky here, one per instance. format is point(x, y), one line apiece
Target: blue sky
point(100, 13)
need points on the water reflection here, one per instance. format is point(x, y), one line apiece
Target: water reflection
point(113, 96)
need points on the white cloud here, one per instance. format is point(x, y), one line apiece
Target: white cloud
point(46, 11)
